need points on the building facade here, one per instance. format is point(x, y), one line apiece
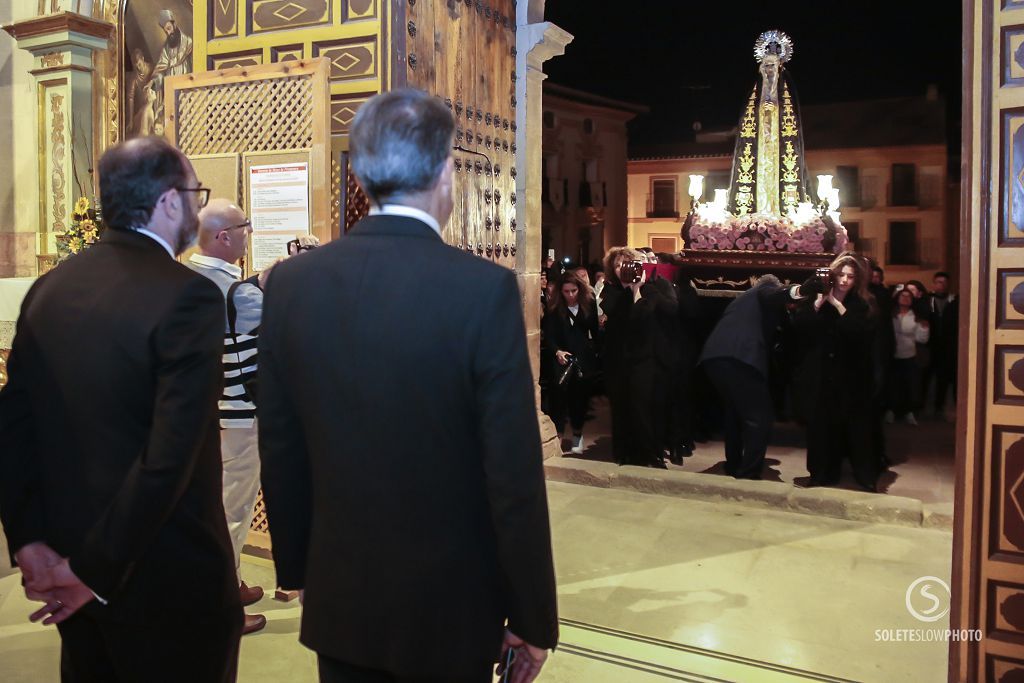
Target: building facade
point(583, 185)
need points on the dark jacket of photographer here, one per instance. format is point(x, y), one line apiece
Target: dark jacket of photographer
point(837, 357)
point(578, 336)
point(643, 330)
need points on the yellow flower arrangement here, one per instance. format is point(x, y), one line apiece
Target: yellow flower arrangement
point(83, 232)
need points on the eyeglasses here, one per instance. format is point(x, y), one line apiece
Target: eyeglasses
point(247, 224)
point(203, 194)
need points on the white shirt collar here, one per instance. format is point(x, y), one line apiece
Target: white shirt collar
point(214, 262)
point(408, 212)
point(158, 239)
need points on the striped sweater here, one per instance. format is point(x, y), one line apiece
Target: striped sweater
point(240, 361)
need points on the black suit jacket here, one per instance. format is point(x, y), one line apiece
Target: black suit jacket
point(402, 467)
point(746, 330)
point(111, 451)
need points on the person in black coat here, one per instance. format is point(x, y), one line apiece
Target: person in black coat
point(736, 359)
point(835, 380)
point(110, 467)
point(640, 357)
point(944, 321)
point(682, 410)
point(570, 335)
point(402, 464)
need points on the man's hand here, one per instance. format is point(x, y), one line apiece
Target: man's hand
point(35, 561)
point(528, 660)
point(68, 593)
point(562, 357)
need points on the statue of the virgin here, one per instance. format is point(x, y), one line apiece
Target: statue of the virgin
point(769, 172)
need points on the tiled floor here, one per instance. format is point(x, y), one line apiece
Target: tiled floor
point(653, 588)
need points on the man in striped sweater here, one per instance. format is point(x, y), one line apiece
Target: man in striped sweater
point(223, 233)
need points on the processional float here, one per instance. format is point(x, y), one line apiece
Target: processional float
point(766, 221)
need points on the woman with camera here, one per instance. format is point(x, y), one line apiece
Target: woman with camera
point(570, 335)
point(835, 376)
point(638, 357)
point(911, 331)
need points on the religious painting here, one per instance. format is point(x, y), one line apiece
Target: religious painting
point(157, 43)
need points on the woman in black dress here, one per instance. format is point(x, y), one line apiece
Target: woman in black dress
point(639, 356)
point(834, 380)
point(570, 334)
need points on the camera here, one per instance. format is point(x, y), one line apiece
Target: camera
point(300, 244)
point(825, 275)
point(572, 368)
point(630, 272)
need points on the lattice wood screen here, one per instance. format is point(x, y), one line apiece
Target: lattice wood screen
point(265, 115)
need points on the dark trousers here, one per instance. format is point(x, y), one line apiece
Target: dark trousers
point(833, 435)
point(904, 386)
point(941, 377)
point(337, 671)
point(200, 650)
point(617, 387)
point(570, 400)
point(748, 415)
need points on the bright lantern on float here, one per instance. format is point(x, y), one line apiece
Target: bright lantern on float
point(824, 186)
point(696, 187)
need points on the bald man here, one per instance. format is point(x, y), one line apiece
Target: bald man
point(223, 234)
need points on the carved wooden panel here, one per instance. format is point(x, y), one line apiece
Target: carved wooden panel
point(360, 9)
point(223, 19)
point(464, 53)
point(1006, 610)
point(276, 15)
point(1011, 217)
point(343, 111)
point(1009, 375)
point(350, 60)
point(1004, 670)
point(1010, 299)
point(226, 61)
point(285, 53)
point(1008, 479)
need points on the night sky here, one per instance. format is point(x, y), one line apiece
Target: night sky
point(691, 61)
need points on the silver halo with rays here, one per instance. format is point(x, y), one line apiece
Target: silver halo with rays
point(773, 37)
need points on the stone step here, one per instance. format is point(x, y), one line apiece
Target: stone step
point(855, 506)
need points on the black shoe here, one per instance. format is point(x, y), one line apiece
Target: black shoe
point(659, 464)
point(870, 488)
point(675, 458)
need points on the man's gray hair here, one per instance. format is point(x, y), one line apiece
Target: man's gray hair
point(400, 142)
point(768, 279)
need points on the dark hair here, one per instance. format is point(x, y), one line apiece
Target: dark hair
point(941, 273)
point(585, 298)
point(877, 269)
point(400, 141)
point(133, 176)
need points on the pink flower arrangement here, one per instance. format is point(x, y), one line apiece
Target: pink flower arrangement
point(756, 232)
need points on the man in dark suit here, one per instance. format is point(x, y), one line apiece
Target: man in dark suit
point(735, 358)
point(402, 468)
point(110, 474)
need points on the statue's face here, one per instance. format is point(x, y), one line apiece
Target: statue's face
point(169, 27)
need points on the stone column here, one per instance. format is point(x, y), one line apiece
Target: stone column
point(62, 46)
point(536, 42)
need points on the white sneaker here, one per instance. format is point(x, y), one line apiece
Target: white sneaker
point(889, 417)
point(910, 419)
point(577, 444)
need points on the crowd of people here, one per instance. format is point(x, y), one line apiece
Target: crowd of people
point(842, 353)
